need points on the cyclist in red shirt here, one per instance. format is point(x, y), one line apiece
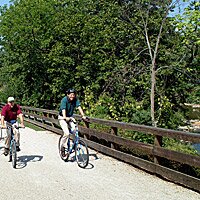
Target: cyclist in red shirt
point(9, 113)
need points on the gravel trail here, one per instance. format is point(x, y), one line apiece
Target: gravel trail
point(41, 174)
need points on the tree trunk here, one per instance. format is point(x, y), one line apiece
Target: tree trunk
point(153, 83)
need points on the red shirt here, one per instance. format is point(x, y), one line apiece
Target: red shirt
point(11, 113)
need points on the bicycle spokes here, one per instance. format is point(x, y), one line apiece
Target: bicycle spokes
point(82, 154)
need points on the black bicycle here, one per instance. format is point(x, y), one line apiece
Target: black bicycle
point(13, 144)
point(77, 145)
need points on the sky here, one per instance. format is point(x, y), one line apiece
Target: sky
point(2, 2)
point(182, 6)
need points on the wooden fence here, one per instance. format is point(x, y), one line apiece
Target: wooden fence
point(149, 157)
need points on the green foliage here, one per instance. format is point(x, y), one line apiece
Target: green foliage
point(36, 128)
point(173, 144)
point(137, 136)
point(99, 48)
point(194, 96)
point(188, 26)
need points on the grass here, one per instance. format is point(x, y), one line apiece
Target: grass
point(34, 127)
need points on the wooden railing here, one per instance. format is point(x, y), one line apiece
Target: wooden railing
point(108, 142)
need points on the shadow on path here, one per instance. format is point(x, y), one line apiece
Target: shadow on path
point(23, 160)
point(91, 157)
point(94, 156)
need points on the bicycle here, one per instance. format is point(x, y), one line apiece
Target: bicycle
point(13, 145)
point(74, 144)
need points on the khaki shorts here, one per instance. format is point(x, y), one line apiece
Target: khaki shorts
point(65, 125)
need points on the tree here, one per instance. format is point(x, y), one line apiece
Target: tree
point(188, 25)
point(108, 51)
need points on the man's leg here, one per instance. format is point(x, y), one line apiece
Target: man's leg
point(7, 141)
point(65, 129)
point(72, 127)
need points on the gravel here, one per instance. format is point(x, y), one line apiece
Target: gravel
point(41, 174)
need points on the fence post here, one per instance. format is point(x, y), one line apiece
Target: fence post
point(86, 124)
point(53, 117)
point(113, 132)
point(157, 143)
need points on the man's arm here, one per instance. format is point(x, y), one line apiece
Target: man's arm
point(64, 115)
point(3, 125)
point(21, 117)
point(81, 112)
point(3, 114)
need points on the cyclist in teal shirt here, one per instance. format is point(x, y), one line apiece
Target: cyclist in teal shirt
point(67, 107)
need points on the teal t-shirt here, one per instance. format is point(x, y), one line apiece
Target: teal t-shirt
point(69, 106)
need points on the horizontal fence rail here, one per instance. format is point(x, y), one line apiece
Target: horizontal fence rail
point(108, 141)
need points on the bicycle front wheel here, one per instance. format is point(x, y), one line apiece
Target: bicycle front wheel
point(82, 154)
point(13, 154)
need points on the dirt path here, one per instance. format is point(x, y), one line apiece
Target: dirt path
point(41, 174)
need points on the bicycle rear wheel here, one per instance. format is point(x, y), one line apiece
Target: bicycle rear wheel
point(63, 152)
point(82, 154)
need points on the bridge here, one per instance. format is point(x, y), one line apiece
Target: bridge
point(111, 173)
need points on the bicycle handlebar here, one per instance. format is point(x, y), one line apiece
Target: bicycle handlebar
point(79, 120)
point(8, 124)
point(85, 120)
point(18, 127)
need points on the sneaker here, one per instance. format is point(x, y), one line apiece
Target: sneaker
point(64, 152)
point(17, 148)
point(6, 151)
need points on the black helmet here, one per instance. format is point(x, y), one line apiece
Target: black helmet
point(71, 90)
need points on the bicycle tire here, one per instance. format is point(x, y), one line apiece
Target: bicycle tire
point(64, 155)
point(10, 155)
point(82, 154)
point(14, 154)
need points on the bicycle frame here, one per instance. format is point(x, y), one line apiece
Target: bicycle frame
point(12, 139)
point(11, 126)
point(74, 140)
